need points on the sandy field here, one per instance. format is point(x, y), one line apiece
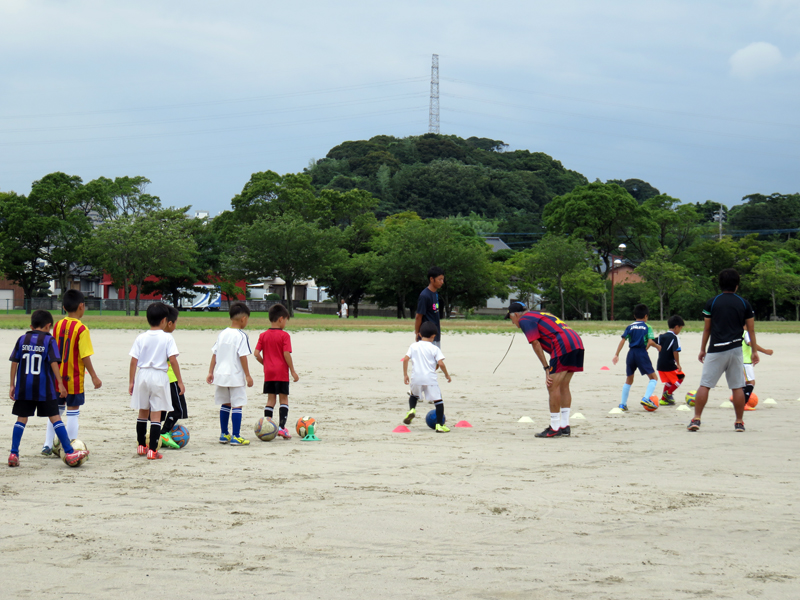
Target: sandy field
point(631, 506)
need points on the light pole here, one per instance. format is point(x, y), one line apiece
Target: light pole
point(614, 264)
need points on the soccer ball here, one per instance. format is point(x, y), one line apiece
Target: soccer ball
point(265, 429)
point(430, 419)
point(76, 445)
point(57, 447)
point(690, 396)
point(304, 423)
point(180, 435)
point(651, 407)
point(752, 402)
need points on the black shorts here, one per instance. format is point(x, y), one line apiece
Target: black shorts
point(178, 401)
point(29, 408)
point(571, 362)
point(73, 400)
point(276, 387)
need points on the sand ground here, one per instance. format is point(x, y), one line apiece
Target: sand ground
point(631, 506)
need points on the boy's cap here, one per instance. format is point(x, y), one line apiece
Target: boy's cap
point(515, 307)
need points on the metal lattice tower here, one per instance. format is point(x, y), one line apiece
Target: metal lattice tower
point(433, 113)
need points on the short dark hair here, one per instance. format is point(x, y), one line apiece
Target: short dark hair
point(40, 318)
point(434, 272)
point(640, 311)
point(157, 312)
point(276, 311)
point(427, 329)
point(173, 314)
point(238, 308)
point(729, 280)
point(72, 300)
point(675, 321)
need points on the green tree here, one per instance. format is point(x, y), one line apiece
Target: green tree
point(777, 272)
point(664, 276)
point(581, 287)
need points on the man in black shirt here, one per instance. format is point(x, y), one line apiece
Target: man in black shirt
point(726, 316)
point(428, 304)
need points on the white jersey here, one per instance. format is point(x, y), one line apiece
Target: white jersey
point(153, 348)
point(231, 345)
point(424, 357)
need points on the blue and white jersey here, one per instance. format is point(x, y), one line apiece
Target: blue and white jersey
point(35, 352)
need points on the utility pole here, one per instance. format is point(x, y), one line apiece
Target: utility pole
point(433, 113)
point(721, 216)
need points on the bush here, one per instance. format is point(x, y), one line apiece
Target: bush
point(275, 297)
point(302, 303)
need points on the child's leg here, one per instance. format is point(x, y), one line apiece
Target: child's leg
point(50, 434)
point(73, 413)
point(236, 421)
point(61, 432)
point(284, 410)
point(269, 409)
point(224, 418)
point(412, 401)
point(141, 427)
point(626, 390)
point(651, 385)
point(748, 389)
point(170, 421)
point(439, 406)
point(155, 429)
point(16, 435)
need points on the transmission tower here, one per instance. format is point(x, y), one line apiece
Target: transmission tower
point(433, 113)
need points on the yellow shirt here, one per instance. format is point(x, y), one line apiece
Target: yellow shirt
point(75, 344)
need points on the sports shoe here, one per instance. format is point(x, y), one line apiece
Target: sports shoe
point(74, 458)
point(548, 433)
point(694, 425)
point(410, 416)
point(225, 438)
point(738, 427)
point(668, 400)
point(13, 460)
point(623, 407)
point(47, 451)
point(564, 431)
point(647, 403)
point(284, 433)
point(154, 455)
point(141, 450)
point(166, 440)
point(239, 441)
point(442, 428)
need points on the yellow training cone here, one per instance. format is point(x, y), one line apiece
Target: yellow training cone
point(726, 404)
point(682, 407)
point(616, 411)
point(578, 416)
point(770, 401)
point(525, 420)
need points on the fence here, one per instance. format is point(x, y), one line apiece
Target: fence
point(98, 304)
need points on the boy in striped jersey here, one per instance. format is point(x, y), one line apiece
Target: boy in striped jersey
point(34, 373)
point(75, 346)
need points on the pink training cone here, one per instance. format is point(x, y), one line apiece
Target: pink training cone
point(604, 369)
point(401, 429)
point(463, 424)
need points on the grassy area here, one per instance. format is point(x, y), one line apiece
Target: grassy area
point(258, 321)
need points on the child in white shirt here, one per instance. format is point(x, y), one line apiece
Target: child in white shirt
point(427, 357)
point(229, 371)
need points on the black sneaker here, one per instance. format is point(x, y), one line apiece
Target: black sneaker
point(668, 400)
point(564, 431)
point(695, 425)
point(549, 432)
point(738, 427)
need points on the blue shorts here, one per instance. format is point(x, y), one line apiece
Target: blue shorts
point(638, 359)
point(73, 400)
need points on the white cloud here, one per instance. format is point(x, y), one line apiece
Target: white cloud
point(756, 59)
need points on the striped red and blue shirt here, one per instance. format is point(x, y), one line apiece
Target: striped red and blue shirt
point(553, 334)
point(35, 352)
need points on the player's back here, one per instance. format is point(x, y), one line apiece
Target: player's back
point(34, 352)
point(637, 334)
point(555, 337)
point(74, 343)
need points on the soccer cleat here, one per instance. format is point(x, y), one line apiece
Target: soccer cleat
point(623, 407)
point(564, 431)
point(548, 433)
point(74, 458)
point(47, 451)
point(647, 403)
point(739, 427)
point(442, 428)
point(239, 441)
point(141, 450)
point(667, 400)
point(410, 416)
point(284, 433)
point(166, 440)
point(694, 425)
point(154, 455)
point(13, 460)
point(225, 438)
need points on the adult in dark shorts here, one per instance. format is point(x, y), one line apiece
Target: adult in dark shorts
point(428, 305)
point(547, 333)
point(726, 317)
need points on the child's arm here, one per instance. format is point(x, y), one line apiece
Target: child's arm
point(751, 329)
point(62, 389)
point(706, 334)
point(173, 360)
point(132, 375)
point(405, 371)
point(766, 351)
point(677, 356)
point(246, 368)
point(652, 344)
point(619, 349)
point(444, 370)
point(258, 356)
point(14, 367)
point(287, 356)
point(87, 361)
point(210, 376)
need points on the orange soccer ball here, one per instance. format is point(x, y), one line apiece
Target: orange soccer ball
point(304, 424)
point(751, 403)
point(654, 406)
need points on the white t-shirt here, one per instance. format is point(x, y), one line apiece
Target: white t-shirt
point(424, 356)
point(231, 345)
point(343, 312)
point(153, 348)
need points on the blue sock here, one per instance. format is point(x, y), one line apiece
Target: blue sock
point(651, 387)
point(16, 437)
point(236, 420)
point(224, 417)
point(63, 437)
point(626, 389)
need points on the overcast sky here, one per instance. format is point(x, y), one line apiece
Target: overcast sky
point(698, 98)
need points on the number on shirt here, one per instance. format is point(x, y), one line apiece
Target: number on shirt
point(33, 363)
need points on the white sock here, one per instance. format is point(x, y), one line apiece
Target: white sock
point(72, 423)
point(564, 417)
point(555, 421)
point(50, 434)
